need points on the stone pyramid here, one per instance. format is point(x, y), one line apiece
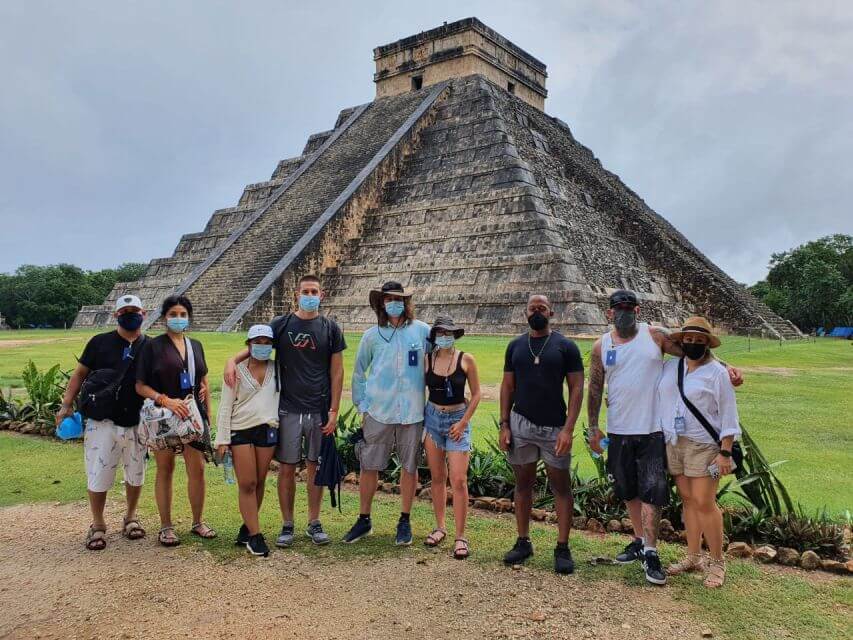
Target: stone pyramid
point(455, 182)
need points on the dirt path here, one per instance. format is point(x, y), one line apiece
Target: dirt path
point(50, 587)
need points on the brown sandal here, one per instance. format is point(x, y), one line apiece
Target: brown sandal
point(95, 538)
point(132, 530)
point(691, 562)
point(461, 552)
point(716, 575)
point(203, 531)
point(167, 537)
point(436, 537)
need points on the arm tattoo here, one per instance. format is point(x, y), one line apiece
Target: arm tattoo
point(665, 342)
point(596, 388)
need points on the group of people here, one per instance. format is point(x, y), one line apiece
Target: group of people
point(414, 388)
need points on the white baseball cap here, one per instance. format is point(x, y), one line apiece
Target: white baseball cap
point(260, 331)
point(128, 301)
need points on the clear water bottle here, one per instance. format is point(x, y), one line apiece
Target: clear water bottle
point(228, 468)
point(604, 442)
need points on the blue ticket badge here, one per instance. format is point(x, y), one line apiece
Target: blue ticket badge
point(186, 385)
point(125, 354)
point(610, 358)
point(413, 357)
point(680, 425)
point(272, 435)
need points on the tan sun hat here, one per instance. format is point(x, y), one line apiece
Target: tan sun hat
point(700, 326)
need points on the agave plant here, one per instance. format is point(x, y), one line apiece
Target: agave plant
point(800, 531)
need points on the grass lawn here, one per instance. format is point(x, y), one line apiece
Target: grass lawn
point(796, 400)
point(757, 603)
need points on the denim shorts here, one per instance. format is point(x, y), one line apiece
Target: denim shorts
point(437, 424)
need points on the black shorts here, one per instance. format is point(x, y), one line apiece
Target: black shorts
point(636, 465)
point(261, 436)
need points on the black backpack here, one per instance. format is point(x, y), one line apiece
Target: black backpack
point(98, 399)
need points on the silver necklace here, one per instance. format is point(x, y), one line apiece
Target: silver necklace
point(544, 344)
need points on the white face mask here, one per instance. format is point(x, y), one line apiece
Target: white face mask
point(261, 351)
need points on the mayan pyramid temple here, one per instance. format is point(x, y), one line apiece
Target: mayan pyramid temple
point(456, 183)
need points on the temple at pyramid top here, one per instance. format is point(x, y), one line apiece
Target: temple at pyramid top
point(455, 50)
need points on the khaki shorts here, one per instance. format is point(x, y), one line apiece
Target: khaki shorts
point(374, 452)
point(690, 458)
point(105, 447)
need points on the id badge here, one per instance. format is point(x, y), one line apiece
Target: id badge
point(186, 385)
point(272, 435)
point(413, 357)
point(610, 357)
point(680, 425)
point(125, 354)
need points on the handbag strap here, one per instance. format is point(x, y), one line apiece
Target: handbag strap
point(696, 413)
point(190, 360)
point(125, 365)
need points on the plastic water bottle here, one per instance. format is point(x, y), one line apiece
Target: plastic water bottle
point(604, 442)
point(228, 468)
point(70, 427)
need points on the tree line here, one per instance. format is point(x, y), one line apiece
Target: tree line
point(811, 285)
point(51, 296)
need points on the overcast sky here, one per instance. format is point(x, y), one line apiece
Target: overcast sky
point(124, 125)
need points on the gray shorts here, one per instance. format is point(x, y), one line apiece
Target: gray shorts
point(299, 436)
point(374, 452)
point(531, 442)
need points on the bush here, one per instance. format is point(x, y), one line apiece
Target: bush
point(798, 530)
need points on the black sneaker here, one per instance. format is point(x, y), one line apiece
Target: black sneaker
point(404, 533)
point(563, 562)
point(520, 552)
point(654, 572)
point(632, 553)
point(362, 527)
point(242, 536)
point(257, 546)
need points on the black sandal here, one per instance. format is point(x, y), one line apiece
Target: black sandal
point(461, 553)
point(96, 538)
point(132, 530)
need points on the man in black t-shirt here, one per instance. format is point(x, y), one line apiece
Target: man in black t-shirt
point(535, 423)
point(113, 441)
point(309, 355)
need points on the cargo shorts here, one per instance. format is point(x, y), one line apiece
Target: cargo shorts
point(380, 440)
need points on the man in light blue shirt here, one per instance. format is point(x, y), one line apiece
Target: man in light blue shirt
point(388, 391)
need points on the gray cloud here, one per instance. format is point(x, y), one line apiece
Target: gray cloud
point(123, 126)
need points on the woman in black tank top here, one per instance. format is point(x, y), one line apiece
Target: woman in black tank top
point(447, 422)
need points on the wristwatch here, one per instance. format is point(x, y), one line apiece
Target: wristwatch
point(725, 453)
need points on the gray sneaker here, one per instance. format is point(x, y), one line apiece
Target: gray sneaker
point(316, 533)
point(285, 538)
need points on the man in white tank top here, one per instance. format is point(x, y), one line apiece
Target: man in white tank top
point(629, 360)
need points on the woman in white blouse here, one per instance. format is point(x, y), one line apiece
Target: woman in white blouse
point(696, 458)
point(248, 424)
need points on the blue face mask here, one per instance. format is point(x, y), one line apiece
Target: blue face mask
point(178, 325)
point(395, 308)
point(445, 342)
point(309, 303)
point(261, 351)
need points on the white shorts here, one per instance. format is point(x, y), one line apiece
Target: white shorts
point(104, 446)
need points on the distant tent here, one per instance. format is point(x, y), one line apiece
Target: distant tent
point(841, 332)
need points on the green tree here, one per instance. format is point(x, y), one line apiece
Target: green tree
point(812, 285)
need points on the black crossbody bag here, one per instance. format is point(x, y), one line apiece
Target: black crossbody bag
point(737, 450)
point(99, 391)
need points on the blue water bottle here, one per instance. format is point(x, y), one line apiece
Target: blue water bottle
point(70, 427)
point(228, 468)
point(604, 442)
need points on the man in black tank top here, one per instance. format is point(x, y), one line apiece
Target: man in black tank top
point(536, 423)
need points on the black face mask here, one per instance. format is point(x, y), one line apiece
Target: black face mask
point(694, 350)
point(538, 321)
point(130, 321)
point(624, 320)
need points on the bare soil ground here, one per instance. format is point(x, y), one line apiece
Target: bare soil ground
point(51, 587)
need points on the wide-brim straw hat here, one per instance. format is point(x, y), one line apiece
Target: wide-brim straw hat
point(389, 288)
point(699, 326)
point(446, 323)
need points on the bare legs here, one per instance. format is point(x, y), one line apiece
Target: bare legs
point(287, 491)
point(194, 461)
point(561, 486)
point(250, 466)
point(457, 461)
point(525, 482)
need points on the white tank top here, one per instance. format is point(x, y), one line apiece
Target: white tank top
point(631, 371)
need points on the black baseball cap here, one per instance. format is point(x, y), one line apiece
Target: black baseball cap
point(623, 296)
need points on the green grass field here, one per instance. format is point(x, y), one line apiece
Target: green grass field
point(796, 400)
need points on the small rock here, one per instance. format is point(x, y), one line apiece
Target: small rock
point(765, 554)
point(351, 478)
point(849, 566)
point(538, 514)
point(516, 567)
point(479, 503)
point(421, 561)
point(667, 531)
point(614, 526)
point(579, 522)
point(536, 616)
point(627, 526)
point(503, 504)
point(739, 550)
point(426, 494)
point(625, 625)
point(707, 633)
point(832, 565)
point(788, 556)
point(552, 516)
point(809, 560)
point(594, 525)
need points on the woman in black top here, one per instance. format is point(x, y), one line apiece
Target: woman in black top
point(163, 375)
point(447, 423)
